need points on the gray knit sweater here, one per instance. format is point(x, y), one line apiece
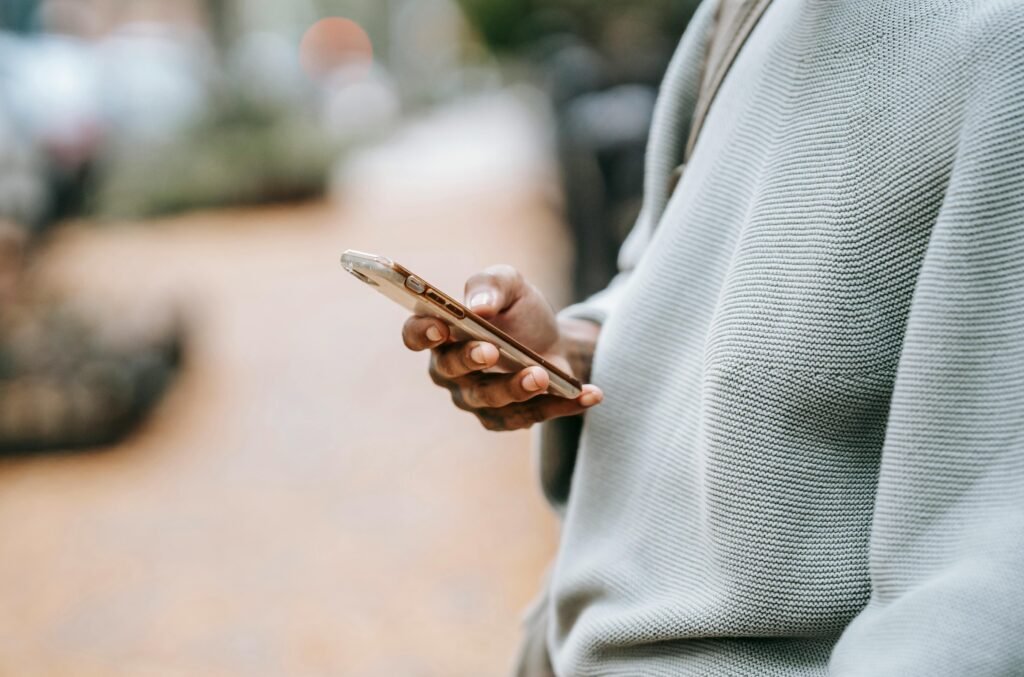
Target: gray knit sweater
point(810, 458)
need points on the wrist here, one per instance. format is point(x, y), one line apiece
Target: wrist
point(577, 341)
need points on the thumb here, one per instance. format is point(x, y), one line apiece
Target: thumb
point(493, 290)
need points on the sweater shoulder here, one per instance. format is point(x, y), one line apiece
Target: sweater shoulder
point(993, 26)
point(993, 41)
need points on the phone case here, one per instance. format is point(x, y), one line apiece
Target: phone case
point(421, 298)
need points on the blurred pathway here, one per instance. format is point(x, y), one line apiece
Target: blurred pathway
point(305, 502)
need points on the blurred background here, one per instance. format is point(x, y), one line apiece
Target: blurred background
point(216, 458)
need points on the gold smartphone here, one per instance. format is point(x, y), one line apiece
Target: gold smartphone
point(421, 298)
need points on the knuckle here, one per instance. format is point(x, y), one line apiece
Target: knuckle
point(489, 395)
point(529, 415)
point(459, 399)
point(490, 422)
point(407, 334)
point(441, 367)
point(467, 394)
point(534, 414)
point(480, 395)
point(443, 363)
point(412, 332)
point(409, 339)
point(471, 394)
point(517, 422)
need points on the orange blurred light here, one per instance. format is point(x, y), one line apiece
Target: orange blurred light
point(335, 43)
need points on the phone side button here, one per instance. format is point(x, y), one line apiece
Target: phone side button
point(415, 284)
point(455, 310)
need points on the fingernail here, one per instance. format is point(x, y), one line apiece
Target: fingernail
point(590, 399)
point(478, 354)
point(530, 382)
point(433, 334)
point(481, 298)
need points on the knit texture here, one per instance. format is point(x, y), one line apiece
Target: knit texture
point(810, 457)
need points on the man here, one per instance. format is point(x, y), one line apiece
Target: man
point(809, 457)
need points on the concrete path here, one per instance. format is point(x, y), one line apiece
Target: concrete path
point(305, 502)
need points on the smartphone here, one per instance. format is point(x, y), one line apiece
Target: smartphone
point(421, 298)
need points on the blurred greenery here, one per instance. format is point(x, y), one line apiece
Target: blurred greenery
point(239, 154)
point(508, 25)
point(242, 153)
point(18, 15)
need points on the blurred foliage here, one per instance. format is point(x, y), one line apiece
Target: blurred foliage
point(17, 15)
point(509, 25)
point(238, 154)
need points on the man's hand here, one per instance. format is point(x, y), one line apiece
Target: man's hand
point(471, 371)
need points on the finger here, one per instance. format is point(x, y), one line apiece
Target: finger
point(493, 290)
point(420, 333)
point(539, 409)
point(457, 399)
point(458, 359)
point(489, 391)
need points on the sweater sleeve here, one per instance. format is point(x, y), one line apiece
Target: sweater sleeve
point(947, 540)
point(558, 439)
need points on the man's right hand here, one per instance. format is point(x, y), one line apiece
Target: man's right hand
point(471, 370)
